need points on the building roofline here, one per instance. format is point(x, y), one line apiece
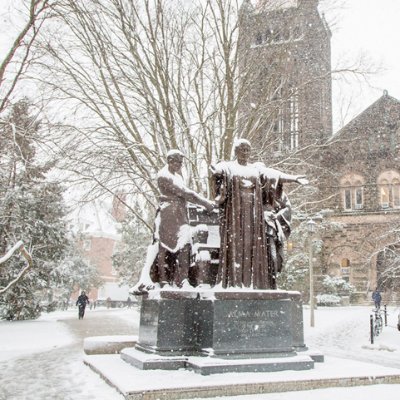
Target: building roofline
point(359, 116)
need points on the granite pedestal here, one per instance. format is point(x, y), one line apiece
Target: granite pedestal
point(220, 331)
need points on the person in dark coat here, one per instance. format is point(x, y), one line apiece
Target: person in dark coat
point(82, 302)
point(376, 297)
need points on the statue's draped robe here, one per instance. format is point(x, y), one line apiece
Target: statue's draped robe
point(243, 252)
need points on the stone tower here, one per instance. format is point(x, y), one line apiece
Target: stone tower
point(284, 53)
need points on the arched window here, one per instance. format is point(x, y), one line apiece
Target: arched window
point(384, 191)
point(389, 189)
point(358, 195)
point(347, 196)
point(396, 192)
point(352, 192)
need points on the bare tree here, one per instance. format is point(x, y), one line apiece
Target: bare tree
point(20, 55)
point(141, 77)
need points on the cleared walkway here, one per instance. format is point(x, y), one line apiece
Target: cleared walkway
point(60, 374)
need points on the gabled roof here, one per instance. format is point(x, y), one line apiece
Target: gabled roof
point(373, 115)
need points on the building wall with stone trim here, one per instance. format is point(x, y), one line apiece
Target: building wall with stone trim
point(356, 165)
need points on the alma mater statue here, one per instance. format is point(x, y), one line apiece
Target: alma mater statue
point(255, 217)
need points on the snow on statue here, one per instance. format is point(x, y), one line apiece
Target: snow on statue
point(254, 221)
point(168, 258)
point(255, 218)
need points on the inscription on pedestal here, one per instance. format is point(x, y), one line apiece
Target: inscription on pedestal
point(252, 326)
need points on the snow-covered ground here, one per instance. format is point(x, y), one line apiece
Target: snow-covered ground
point(43, 359)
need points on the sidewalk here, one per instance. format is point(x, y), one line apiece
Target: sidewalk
point(42, 359)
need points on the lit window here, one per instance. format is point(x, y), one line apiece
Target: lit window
point(384, 191)
point(396, 193)
point(345, 266)
point(389, 189)
point(345, 263)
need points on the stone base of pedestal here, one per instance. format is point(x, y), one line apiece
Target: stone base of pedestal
point(145, 361)
point(168, 324)
point(258, 330)
point(219, 365)
point(215, 365)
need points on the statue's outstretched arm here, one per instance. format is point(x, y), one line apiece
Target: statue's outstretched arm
point(283, 177)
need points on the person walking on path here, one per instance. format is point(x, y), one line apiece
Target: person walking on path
point(82, 302)
point(376, 297)
point(129, 302)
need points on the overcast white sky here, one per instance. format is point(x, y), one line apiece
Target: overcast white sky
point(369, 27)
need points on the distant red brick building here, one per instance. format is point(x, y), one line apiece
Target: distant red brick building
point(97, 226)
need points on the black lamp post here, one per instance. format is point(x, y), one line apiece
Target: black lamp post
point(311, 228)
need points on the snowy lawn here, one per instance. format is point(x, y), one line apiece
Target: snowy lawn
point(19, 338)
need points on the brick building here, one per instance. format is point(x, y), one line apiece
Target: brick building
point(361, 184)
point(97, 227)
point(356, 171)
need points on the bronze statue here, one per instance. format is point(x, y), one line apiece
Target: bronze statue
point(169, 257)
point(254, 216)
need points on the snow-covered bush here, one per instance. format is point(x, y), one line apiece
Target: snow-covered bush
point(328, 300)
point(337, 286)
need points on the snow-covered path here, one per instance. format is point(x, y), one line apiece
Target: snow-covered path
point(344, 332)
point(59, 373)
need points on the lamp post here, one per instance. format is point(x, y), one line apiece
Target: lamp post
point(311, 227)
